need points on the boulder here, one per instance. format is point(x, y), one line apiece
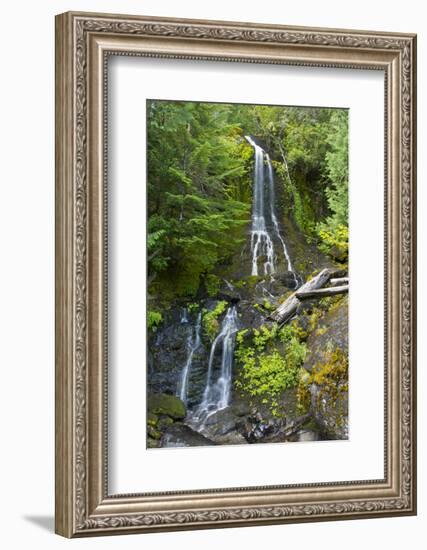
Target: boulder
point(225, 426)
point(330, 409)
point(327, 364)
point(181, 435)
point(287, 278)
point(164, 404)
point(330, 333)
point(307, 435)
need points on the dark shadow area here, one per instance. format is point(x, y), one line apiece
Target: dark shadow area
point(44, 522)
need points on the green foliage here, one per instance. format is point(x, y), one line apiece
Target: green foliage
point(154, 319)
point(212, 284)
point(334, 240)
point(333, 231)
point(210, 319)
point(264, 335)
point(309, 148)
point(199, 193)
point(337, 167)
point(270, 361)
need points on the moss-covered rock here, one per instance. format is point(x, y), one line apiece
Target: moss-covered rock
point(329, 395)
point(327, 331)
point(164, 404)
point(152, 443)
point(324, 390)
point(153, 432)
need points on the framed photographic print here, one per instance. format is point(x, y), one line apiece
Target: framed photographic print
point(235, 274)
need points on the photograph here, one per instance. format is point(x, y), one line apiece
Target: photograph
point(247, 252)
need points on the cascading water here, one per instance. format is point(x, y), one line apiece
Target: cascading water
point(184, 316)
point(217, 393)
point(262, 243)
point(274, 221)
point(193, 343)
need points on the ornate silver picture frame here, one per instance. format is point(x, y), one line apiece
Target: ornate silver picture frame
point(84, 43)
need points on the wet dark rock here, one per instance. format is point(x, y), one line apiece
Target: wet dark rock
point(288, 279)
point(168, 355)
point(307, 435)
point(181, 435)
point(230, 296)
point(226, 425)
point(152, 443)
point(339, 254)
point(331, 410)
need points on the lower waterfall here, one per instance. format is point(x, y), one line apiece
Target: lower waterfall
point(217, 392)
point(193, 343)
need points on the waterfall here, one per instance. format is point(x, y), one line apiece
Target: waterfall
point(229, 285)
point(270, 173)
point(184, 316)
point(217, 393)
point(262, 243)
point(193, 343)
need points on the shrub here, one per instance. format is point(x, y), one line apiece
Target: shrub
point(154, 319)
point(210, 319)
point(266, 370)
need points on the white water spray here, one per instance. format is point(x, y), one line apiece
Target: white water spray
point(218, 392)
point(262, 242)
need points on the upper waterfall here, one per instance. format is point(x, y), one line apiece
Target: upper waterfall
point(264, 232)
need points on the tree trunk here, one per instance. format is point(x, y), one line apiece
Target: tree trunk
point(339, 281)
point(321, 292)
point(289, 307)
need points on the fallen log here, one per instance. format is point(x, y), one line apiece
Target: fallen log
point(289, 307)
point(321, 292)
point(339, 281)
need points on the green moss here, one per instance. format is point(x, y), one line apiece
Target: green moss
point(303, 392)
point(332, 371)
point(268, 306)
point(169, 405)
point(321, 330)
point(298, 331)
point(153, 433)
point(194, 306)
point(265, 308)
point(331, 376)
point(152, 419)
point(248, 282)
